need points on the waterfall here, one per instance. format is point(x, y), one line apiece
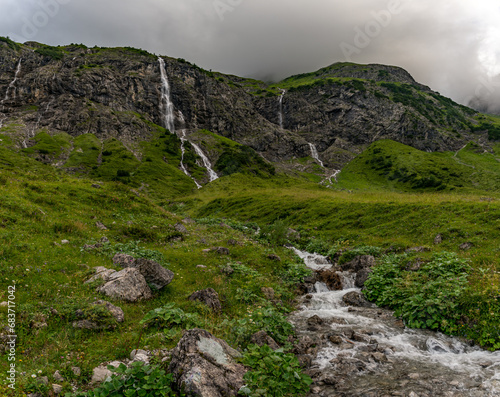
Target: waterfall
point(12, 86)
point(206, 162)
point(166, 102)
point(280, 113)
point(314, 154)
point(169, 118)
point(183, 140)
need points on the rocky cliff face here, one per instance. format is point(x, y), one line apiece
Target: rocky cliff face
point(116, 93)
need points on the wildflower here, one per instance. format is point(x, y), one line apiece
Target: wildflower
point(33, 376)
point(39, 371)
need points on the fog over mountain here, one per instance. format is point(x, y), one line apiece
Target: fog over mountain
point(452, 46)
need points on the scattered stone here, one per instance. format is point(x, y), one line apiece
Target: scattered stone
point(154, 273)
point(58, 377)
point(206, 250)
point(362, 276)
point(115, 311)
point(227, 270)
point(335, 339)
point(96, 186)
point(415, 265)
point(64, 241)
point(292, 234)
point(232, 242)
point(466, 246)
point(128, 284)
point(44, 380)
point(209, 297)
point(221, 250)
point(201, 267)
point(315, 320)
point(262, 338)
point(76, 371)
point(274, 257)
point(204, 365)
point(139, 355)
point(101, 373)
point(57, 388)
point(332, 279)
point(438, 239)
point(3, 304)
point(135, 352)
point(268, 293)
point(100, 226)
point(179, 227)
point(355, 299)
point(379, 357)
point(124, 260)
point(305, 360)
point(359, 263)
point(418, 249)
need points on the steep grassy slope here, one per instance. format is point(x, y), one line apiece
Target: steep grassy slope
point(42, 206)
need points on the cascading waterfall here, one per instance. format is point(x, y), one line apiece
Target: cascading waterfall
point(169, 119)
point(12, 87)
point(314, 154)
point(280, 113)
point(167, 105)
point(371, 353)
point(206, 162)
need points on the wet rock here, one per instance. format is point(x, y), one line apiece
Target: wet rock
point(128, 284)
point(262, 338)
point(466, 246)
point(359, 263)
point(154, 273)
point(361, 338)
point(179, 227)
point(362, 276)
point(315, 320)
point(203, 365)
point(355, 299)
point(305, 360)
point(332, 279)
point(123, 260)
point(379, 357)
point(335, 339)
point(209, 297)
point(438, 239)
point(304, 345)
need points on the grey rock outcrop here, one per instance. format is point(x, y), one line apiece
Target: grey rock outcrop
point(123, 260)
point(356, 299)
point(358, 263)
point(209, 297)
point(205, 366)
point(262, 338)
point(154, 273)
point(128, 284)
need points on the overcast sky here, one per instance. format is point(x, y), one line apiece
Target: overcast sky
point(451, 45)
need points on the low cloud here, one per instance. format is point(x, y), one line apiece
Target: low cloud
point(450, 46)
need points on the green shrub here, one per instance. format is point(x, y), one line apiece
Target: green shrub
point(427, 298)
point(275, 234)
point(273, 374)
point(138, 380)
point(357, 251)
point(295, 273)
point(170, 316)
point(52, 52)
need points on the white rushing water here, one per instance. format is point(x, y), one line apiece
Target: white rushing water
point(206, 162)
point(315, 155)
point(169, 119)
point(166, 102)
point(11, 88)
point(280, 112)
point(421, 362)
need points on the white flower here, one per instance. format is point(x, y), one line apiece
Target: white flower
point(33, 376)
point(39, 371)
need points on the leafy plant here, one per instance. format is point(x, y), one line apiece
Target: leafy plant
point(274, 373)
point(170, 316)
point(427, 298)
point(275, 234)
point(295, 273)
point(138, 380)
point(349, 255)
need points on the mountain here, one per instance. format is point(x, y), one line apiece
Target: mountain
point(102, 112)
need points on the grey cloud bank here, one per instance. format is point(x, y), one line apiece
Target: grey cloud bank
point(452, 46)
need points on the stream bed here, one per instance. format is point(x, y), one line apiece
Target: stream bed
point(366, 351)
